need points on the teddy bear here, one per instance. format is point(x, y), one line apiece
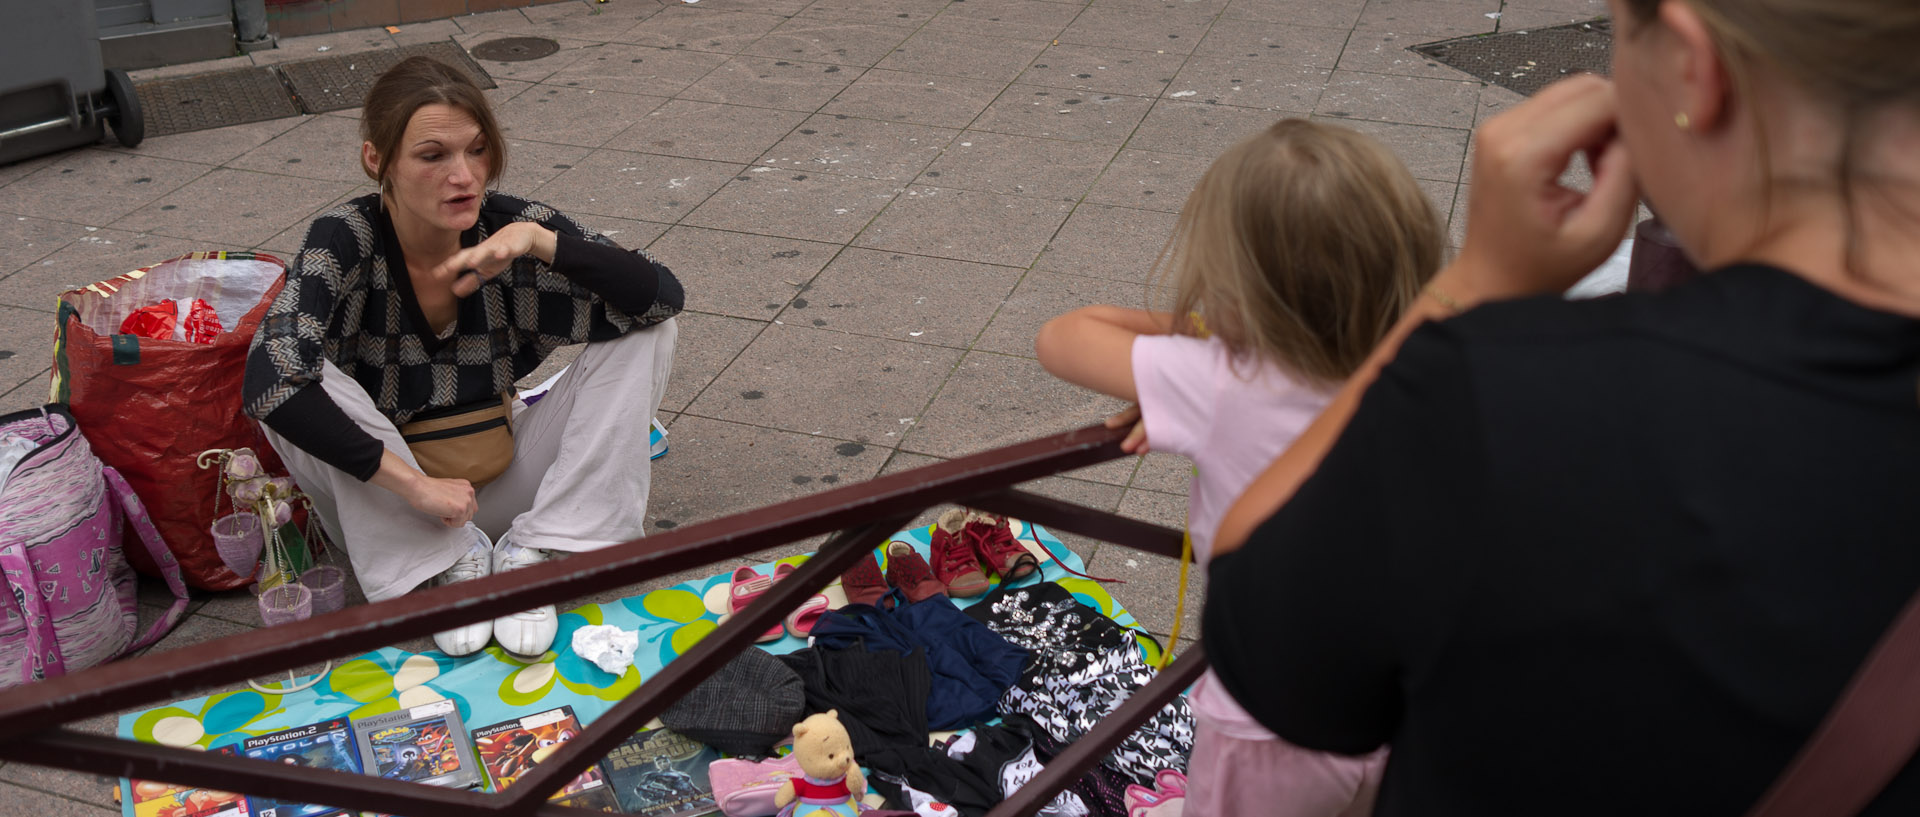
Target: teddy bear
point(831, 783)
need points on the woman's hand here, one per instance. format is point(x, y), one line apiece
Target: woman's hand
point(472, 267)
point(1527, 234)
point(449, 500)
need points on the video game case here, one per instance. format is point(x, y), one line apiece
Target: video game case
point(147, 798)
point(511, 749)
point(425, 744)
point(662, 773)
point(325, 745)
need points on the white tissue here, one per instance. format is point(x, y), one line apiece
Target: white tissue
point(609, 648)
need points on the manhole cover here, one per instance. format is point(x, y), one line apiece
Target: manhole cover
point(234, 97)
point(341, 82)
point(1526, 61)
point(515, 49)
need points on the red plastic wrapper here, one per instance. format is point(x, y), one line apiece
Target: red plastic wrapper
point(149, 406)
point(202, 324)
point(155, 321)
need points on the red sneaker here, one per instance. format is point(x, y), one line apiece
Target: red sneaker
point(907, 571)
point(863, 583)
point(993, 543)
point(954, 562)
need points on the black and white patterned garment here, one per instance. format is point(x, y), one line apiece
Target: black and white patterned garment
point(349, 299)
point(1083, 666)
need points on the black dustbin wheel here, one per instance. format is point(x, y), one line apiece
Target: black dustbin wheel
point(129, 123)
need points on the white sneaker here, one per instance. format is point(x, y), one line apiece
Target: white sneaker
point(529, 633)
point(476, 563)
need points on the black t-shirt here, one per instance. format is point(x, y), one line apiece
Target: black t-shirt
point(1611, 557)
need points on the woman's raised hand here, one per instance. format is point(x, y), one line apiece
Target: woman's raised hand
point(1528, 234)
point(472, 267)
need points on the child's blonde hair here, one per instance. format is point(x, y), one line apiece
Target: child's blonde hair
point(1303, 245)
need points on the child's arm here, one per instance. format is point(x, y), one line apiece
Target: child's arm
point(1092, 346)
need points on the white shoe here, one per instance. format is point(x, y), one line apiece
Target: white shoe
point(529, 633)
point(476, 563)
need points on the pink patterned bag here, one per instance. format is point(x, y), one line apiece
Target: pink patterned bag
point(745, 788)
point(61, 518)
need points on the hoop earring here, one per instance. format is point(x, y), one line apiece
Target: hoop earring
point(1681, 121)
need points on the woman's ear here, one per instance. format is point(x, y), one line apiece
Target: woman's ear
point(1704, 90)
point(370, 160)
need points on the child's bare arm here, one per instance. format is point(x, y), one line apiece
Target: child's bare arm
point(1093, 346)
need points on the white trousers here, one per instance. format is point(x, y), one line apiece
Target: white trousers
point(578, 482)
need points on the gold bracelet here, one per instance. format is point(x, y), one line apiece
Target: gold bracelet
point(1444, 299)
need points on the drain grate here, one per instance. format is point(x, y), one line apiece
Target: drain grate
point(242, 95)
point(340, 83)
point(222, 98)
point(515, 49)
point(1526, 61)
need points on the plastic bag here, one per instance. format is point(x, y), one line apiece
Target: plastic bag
point(150, 406)
point(161, 322)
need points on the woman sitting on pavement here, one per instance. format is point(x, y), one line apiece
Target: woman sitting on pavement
point(1620, 556)
point(406, 320)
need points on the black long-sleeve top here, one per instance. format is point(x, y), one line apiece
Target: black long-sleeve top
point(1601, 558)
point(349, 299)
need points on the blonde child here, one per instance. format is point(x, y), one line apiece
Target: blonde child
point(1298, 250)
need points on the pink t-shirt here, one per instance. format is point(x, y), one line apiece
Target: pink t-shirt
point(1232, 422)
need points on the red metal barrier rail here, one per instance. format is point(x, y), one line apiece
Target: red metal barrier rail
point(861, 516)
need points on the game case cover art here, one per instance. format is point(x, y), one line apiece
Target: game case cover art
point(324, 745)
point(510, 750)
point(662, 773)
point(148, 798)
point(425, 744)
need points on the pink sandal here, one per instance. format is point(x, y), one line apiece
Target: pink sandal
point(799, 623)
point(749, 585)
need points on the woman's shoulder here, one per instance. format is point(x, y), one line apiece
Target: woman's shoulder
point(347, 226)
point(499, 209)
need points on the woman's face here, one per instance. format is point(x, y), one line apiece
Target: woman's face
point(440, 168)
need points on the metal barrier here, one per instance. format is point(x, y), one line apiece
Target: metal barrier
point(862, 516)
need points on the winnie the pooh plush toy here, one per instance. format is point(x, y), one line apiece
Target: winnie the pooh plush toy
point(832, 783)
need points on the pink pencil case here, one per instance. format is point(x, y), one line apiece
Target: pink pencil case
point(745, 788)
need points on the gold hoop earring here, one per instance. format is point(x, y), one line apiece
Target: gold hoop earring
point(1681, 121)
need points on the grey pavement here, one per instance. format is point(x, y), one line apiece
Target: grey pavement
point(873, 205)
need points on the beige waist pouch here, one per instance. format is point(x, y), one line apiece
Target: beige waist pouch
point(473, 442)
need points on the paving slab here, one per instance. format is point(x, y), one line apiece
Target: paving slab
point(901, 96)
point(1114, 243)
point(875, 149)
point(994, 400)
point(831, 41)
point(717, 468)
point(740, 274)
point(878, 386)
point(637, 69)
point(1053, 113)
point(1014, 19)
point(707, 130)
point(958, 54)
point(636, 185)
point(903, 297)
point(1104, 69)
point(572, 116)
point(95, 186)
point(1020, 165)
point(1149, 180)
point(965, 225)
point(795, 204)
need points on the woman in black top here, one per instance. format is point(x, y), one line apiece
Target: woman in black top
point(1620, 556)
point(436, 295)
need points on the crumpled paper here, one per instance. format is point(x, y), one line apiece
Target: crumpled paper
point(609, 648)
